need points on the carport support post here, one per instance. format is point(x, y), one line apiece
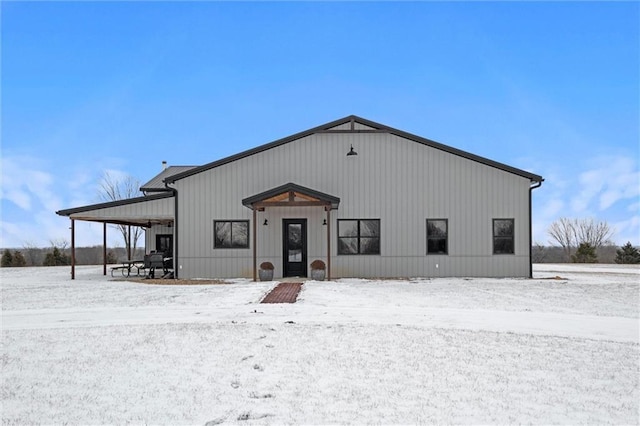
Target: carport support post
point(73, 249)
point(104, 248)
point(255, 250)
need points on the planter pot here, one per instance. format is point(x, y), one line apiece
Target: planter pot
point(265, 274)
point(317, 274)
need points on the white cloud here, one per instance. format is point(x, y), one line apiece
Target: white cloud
point(609, 181)
point(603, 188)
point(553, 207)
point(32, 190)
point(628, 230)
point(24, 182)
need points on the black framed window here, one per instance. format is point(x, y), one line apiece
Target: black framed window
point(231, 233)
point(437, 236)
point(164, 244)
point(503, 236)
point(359, 236)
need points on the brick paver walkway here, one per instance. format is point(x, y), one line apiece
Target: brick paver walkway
point(283, 293)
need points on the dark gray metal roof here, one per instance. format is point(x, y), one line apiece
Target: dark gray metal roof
point(157, 183)
point(69, 212)
point(377, 128)
point(287, 187)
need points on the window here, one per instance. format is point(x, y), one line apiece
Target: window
point(164, 244)
point(231, 233)
point(359, 236)
point(437, 231)
point(503, 236)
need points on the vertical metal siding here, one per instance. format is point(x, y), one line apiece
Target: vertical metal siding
point(398, 181)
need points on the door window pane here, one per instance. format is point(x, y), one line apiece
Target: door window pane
point(294, 235)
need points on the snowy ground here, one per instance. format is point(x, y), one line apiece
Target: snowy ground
point(96, 350)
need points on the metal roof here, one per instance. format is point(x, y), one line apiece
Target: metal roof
point(117, 203)
point(157, 183)
point(376, 128)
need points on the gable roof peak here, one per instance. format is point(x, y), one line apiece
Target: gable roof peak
point(365, 125)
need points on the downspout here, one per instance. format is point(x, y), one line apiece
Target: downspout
point(175, 229)
point(531, 188)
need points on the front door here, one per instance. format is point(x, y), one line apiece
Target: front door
point(294, 245)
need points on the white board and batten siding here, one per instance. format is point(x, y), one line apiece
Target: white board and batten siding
point(397, 180)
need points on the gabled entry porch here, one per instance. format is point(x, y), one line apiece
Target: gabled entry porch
point(294, 230)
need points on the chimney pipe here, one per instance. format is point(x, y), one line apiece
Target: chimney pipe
point(164, 165)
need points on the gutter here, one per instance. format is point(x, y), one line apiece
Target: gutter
point(174, 191)
point(531, 188)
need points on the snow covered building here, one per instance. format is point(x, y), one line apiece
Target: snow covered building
point(367, 199)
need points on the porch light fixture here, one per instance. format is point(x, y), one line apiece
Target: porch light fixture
point(324, 222)
point(351, 152)
point(266, 222)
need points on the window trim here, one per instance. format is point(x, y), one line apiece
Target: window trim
point(232, 221)
point(358, 237)
point(446, 238)
point(512, 237)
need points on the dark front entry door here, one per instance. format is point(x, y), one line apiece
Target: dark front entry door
point(294, 245)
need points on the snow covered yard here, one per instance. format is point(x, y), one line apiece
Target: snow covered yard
point(95, 350)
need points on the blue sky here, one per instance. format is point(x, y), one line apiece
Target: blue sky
point(89, 87)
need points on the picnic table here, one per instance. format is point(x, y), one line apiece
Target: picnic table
point(128, 266)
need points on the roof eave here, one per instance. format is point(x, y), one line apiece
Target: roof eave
point(117, 203)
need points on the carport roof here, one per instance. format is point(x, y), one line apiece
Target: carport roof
point(92, 211)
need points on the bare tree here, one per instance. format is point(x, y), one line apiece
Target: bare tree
point(563, 232)
point(538, 253)
point(31, 253)
point(592, 233)
point(60, 243)
point(571, 233)
point(114, 188)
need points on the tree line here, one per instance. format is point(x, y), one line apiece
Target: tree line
point(61, 255)
point(585, 241)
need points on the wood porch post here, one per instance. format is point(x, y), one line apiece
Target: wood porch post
point(255, 248)
point(104, 248)
point(328, 243)
point(73, 249)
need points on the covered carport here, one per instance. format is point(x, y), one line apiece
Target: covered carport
point(157, 209)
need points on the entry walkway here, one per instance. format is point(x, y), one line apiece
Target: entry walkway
point(283, 293)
